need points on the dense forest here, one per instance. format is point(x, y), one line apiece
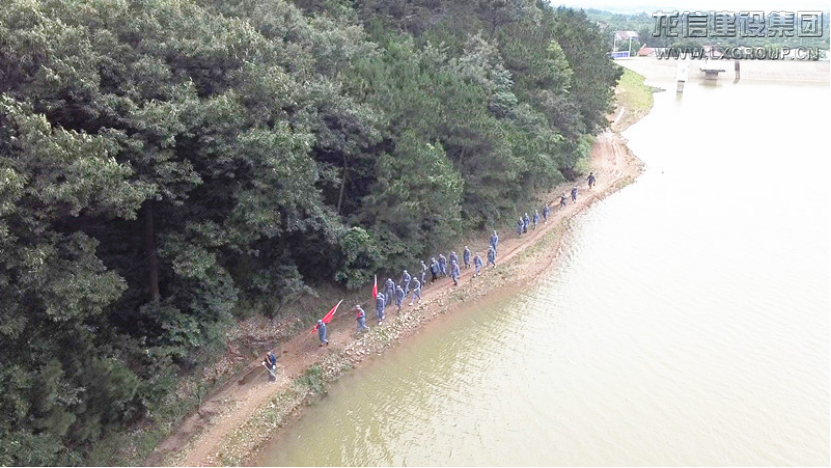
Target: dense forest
point(167, 166)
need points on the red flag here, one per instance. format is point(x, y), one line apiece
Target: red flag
point(375, 288)
point(328, 317)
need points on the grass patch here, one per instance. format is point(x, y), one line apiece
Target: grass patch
point(312, 379)
point(633, 94)
point(634, 97)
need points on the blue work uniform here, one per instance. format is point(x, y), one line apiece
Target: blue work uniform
point(491, 257)
point(477, 262)
point(435, 269)
point(466, 257)
point(399, 296)
point(536, 219)
point(321, 332)
point(574, 194)
point(443, 265)
point(380, 303)
point(405, 282)
point(416, 291)
point(455, 272)
point(361, 319)
point(545, 212)
point(494, 241)
point(272, 365)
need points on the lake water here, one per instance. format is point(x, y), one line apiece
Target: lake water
point(688, 323)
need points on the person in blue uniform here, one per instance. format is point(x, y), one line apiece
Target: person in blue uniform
point(405, 282)
point(361, 318)
point(455, 272)
point(495, 242)
point(416, 292)
point(380, 304)
point(321, 333)
point(399, 297)
point(270, 363)
point(389, 291)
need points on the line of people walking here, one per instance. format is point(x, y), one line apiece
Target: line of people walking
point(411, 286)
point(440, 267)
point(443, 267)
point(526, 221)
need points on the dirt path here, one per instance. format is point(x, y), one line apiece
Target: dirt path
point(197, 441)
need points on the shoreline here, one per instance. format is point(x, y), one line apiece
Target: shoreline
point(525, 267)
point(240, 418)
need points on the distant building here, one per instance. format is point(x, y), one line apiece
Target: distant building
point(625, 39)
point(626, 35)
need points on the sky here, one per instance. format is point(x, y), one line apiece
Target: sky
point(649, 6)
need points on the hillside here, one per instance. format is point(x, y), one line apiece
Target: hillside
point(168, 167)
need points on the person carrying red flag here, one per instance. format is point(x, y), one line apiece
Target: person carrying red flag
point(380, 304)
point(321, 324)
point(321, 333)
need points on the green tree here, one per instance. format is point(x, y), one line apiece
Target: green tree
point(169, 165)
point(415, 201)
point(594, 75)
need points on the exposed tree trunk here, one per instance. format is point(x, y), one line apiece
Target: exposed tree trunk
point(342, 183)
point(150, 251)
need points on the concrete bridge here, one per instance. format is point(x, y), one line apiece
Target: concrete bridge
point(782, 71)
point(711, 72)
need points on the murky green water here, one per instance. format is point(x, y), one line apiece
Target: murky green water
point(687, 325)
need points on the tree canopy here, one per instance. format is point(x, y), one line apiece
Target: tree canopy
point(166, 163)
